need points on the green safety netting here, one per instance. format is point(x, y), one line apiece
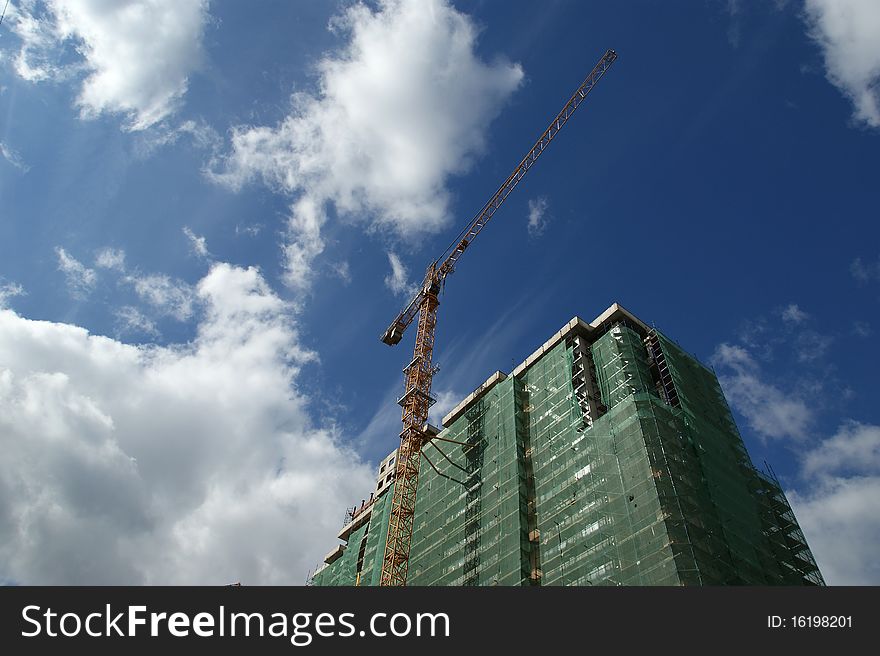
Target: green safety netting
point(608, 461)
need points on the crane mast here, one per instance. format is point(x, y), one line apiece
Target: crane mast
point(417, 400)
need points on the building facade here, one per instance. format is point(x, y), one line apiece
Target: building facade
point(608, 457)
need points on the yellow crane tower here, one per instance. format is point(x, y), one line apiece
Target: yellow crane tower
point(416, 399)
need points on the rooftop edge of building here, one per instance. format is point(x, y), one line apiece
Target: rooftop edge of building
point(615, 312)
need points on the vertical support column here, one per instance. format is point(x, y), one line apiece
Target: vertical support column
point(527, 485)
point(665, 384)
point(473, 509)
point(583, 381)
point(416, 402)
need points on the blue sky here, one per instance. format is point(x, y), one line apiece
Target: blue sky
point(209, 212)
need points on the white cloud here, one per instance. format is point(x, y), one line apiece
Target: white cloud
point(770, 411)
point(189, 464)
point(399, 109)
point(251, 230)
point(862, 328)
point(13, 157)
point(811, 345)
point(110, 258)
point(37, 59)
point(793, 314)
point(537, 221)
point(197, 243)
point(848, 32)
point(837, 500)
point(734, 27)
point(172, 298)
point(200, 134)
point(839, 511)
point(764, 339)
point(380, 435)
point(446, 401)
point(840, 518)
point(9, 290)
point(131, 320)
point(855, 448)
point(343, 271)
point(864, 272)
point(80, 279)
point(398, 280)
point(134, 58)
point(304, 242)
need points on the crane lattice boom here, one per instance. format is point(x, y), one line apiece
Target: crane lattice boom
point(417, 399)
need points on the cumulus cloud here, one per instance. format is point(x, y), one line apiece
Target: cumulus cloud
point(399, 109)
point(841, 519)
point(197, 243)
point(110, 258)
point(770, 411)
point(170, 297)
point(839, 507)
point(80, 279)
point(537, 216)
point(398, 280)
point(194, 463)
point(133, 58)
point(848, 31)
point(855, 448)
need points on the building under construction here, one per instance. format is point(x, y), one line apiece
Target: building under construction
point(608, 457)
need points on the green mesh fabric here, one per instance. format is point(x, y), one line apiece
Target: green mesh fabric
point(654, 488)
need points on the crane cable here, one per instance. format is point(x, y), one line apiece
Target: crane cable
point(3, 15)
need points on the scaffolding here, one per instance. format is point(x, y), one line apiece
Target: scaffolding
point(610, 458)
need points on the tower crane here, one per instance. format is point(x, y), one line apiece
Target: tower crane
point(419, 373)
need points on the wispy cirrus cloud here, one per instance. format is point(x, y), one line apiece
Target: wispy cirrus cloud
point(865, 271)
point(343, 272)
point(198, 244)
point(9, 290)
point(130, 320)
point(862, 328)
point(538, 219)
point(398, 279)
point(13, 157)
point(792, 313)
point(110, 258)
point(80, 279)
point(167, 296)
